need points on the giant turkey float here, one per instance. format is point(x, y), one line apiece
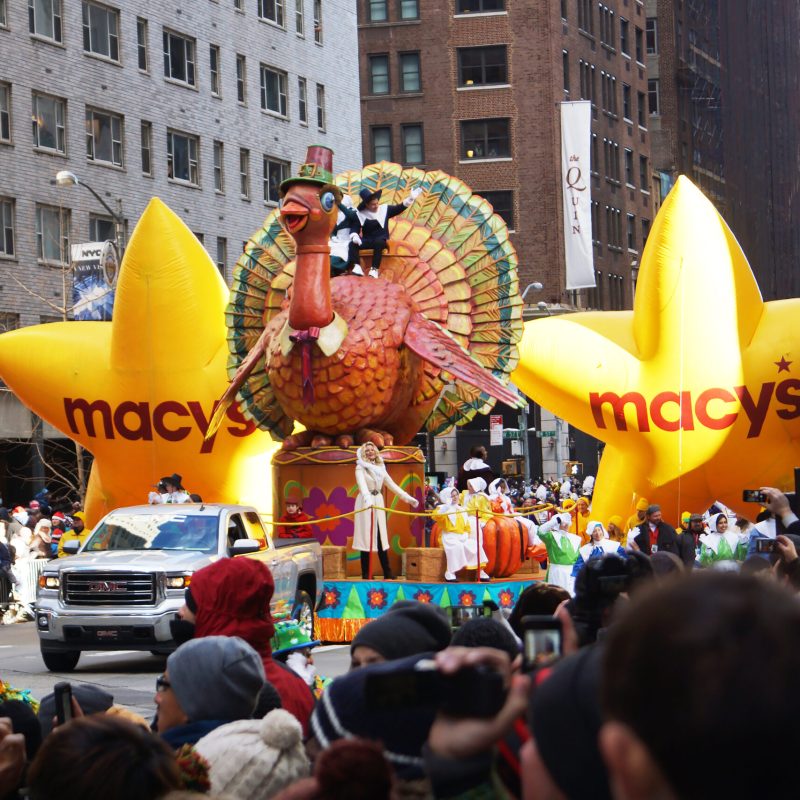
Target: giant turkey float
point(427, 345)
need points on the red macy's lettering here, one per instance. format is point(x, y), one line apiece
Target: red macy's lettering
point(137, 422)
point(684, 412)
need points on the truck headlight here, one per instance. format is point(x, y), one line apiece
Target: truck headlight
point(178, 581)
point(49, 582)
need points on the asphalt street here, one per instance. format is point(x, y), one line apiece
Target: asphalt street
point(128, 675)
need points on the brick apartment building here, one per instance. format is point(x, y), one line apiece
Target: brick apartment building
point(684, 68)
point(472, 87)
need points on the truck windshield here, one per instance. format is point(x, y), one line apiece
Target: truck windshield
point(155, 532)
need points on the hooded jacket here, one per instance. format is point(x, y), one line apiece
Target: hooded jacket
point(233, 599)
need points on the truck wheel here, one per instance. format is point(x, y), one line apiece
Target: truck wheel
point(61, 661)
point(303, 612)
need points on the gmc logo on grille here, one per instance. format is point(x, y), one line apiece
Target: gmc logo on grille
point(108, 586)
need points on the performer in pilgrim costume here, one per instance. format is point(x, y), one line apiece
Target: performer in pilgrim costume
point(562, 550)
point(599, 544)
point(501, 504)
point(722, 547)
point(374, 218)
point(478, 507)
point(371, 476)
point(458, 540)
point(345, 240)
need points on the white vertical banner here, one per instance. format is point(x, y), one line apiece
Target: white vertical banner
point(495, 430)
point(576, 134)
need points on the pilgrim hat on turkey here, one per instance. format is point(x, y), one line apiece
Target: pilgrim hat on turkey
point(317, 170)
point(367, 197)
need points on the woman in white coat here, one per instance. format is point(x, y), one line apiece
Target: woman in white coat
point(370, 524)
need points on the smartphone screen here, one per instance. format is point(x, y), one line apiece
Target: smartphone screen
point(765, 546)
point(541, 641)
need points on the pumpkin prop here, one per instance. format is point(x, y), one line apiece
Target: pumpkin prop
point(505, 543)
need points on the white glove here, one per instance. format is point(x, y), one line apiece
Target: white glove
point(154, 498)
point(355, 238)
point(412, 501)
point(347, 202)
point(415, 193)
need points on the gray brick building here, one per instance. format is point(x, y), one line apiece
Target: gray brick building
point(207, 104)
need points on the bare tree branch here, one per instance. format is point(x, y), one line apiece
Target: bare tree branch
point(30, 291)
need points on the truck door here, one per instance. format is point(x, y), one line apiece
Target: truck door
point(280, 565)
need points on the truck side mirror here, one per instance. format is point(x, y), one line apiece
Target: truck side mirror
point(71, 547)
point(243, 546)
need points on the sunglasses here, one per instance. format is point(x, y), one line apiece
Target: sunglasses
point(162, 683)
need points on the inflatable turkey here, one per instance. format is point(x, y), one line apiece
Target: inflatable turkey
point(431, 342)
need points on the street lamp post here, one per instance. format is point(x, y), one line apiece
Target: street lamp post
point(67, 178)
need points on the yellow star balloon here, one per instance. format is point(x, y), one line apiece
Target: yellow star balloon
point(138, 391)
point(695, 392)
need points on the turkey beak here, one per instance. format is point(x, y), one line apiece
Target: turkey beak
point(294, 215)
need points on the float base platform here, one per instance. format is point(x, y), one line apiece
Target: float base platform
point(345, 606)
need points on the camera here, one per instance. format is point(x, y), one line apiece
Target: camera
point(754, 496)
point(470, 692)
point(542, 641)
point(766, 546)
point(62, 696)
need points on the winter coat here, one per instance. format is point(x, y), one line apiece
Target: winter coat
point(233, 599)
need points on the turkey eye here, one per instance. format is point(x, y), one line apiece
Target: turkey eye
point(327, 200)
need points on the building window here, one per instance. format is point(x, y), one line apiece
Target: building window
point(482, 66)
point(611, 157)
point(565, 70)
point(642, 109)
point(609, 91)
point(10, 321)
point(101, 229)
point(643, 173)
point(182, 151)
point(629, 167)
point(651, 37)
point(378, 10)
point(3, 14)
point(614, 228)
point(485, 138)
point(275, 172)
point(299, 21)
point(6, 227)
point(238, 5)
point(213, 64)
point(381, 144)
point(479, 6)
point(244, 173)
point(179, 58)
point(104, 137)
point(596, 226)
point(273, 90)
point(49, 123)
point(645, 231)
point(627, 103)
point(410, 80)
point(624, 36)
point(101, 30)
point(141, 44)
point(271, 10)
point(616, 292)
point(607, 36)
point(219, 167)
point(320, 106)
point(147, 148)
point(413, 152)
point(241, 79)
point(587, 80)
point(222, 254)
point(378, 74)
point(586, 16)
point(302, 100)
point(503, 205)
point(564, 10)
point(318, 21)
point(631, 232)
point(52, 234)
point(653, 103)
point(639, 37)
point(44, 19)
point(409, 9)
point(5, 112)
point(594, 157)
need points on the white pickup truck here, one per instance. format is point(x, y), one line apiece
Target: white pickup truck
point(128, 581)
